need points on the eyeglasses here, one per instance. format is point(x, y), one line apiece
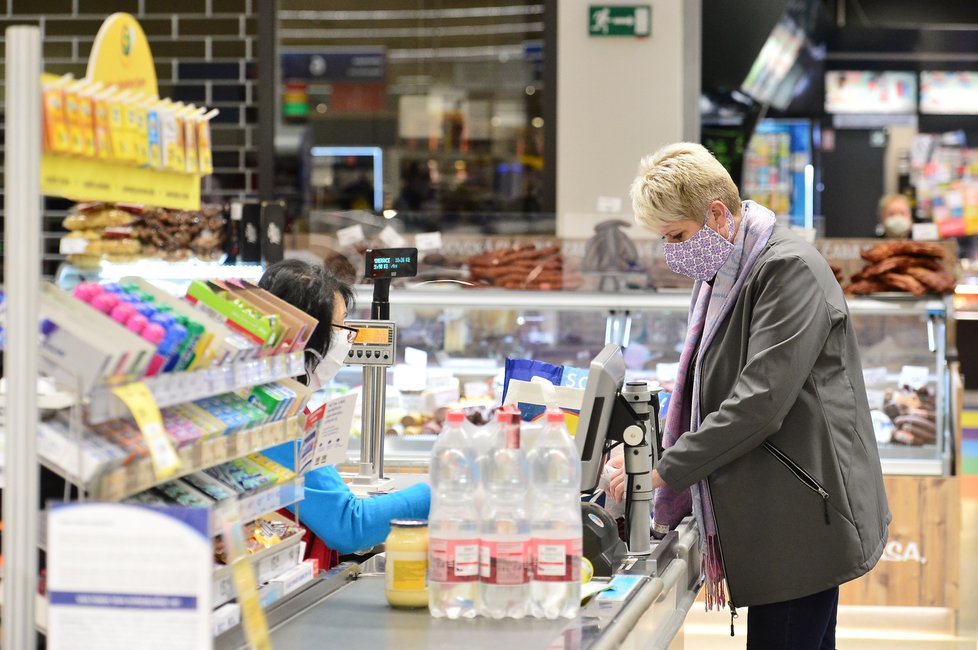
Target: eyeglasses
point(351, 332)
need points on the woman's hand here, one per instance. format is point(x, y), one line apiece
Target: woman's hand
point(616, 485)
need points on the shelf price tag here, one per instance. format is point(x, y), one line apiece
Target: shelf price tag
point(243, 574)
point(138, 398)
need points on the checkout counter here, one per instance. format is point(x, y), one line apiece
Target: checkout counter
point(347, 609)
point(649, 592)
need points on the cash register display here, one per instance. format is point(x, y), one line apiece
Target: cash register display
point(392, 263)
point(604, 381)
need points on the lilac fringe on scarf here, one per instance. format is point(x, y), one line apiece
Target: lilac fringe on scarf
point(710, 305)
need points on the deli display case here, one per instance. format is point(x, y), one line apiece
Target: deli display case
point(463, 338)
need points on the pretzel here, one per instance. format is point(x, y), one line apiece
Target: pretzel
point(880, 252)
point(904, 282)
point(936, 281)
point(863, 287)
point(900, 263)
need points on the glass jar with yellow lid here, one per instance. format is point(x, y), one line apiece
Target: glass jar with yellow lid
point(407, 563)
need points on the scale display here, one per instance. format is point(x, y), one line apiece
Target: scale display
point(392, 263)
point(374, 343)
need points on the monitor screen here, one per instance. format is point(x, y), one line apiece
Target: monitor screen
point(604, 381)
point(792, 53)
point(869, 91)
point(949, 93)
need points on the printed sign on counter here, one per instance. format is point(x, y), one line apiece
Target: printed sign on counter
point(120, 574)
point(325, 443)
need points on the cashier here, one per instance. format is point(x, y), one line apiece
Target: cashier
point(769, 440)
point(338, 521)
point(895, 217)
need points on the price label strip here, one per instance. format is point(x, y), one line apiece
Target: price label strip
point(243, 574)
point(141, 403)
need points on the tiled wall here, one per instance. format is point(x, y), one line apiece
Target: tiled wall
point(204, 54)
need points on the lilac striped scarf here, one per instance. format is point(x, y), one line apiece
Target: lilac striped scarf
point(710, 305)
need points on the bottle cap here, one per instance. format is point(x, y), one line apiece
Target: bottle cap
point(112, 287)
point(194, 329)
point(145, 309)
point(129, 287)
point(409, 523)
point(153, 333)
point(555, 416)
point(86, 291)
point(122, 312)
point(455, 416)
point(105, 302)
point(163, 319)
point(136, 323)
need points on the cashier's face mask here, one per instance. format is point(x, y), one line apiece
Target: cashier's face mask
point(898, 225)
point(702, 255)
point(329, 366)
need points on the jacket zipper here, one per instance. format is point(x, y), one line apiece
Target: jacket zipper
point(807, 479)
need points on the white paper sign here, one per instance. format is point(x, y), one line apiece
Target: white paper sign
point(914, 376)
point(120, 574)
point(924, 232)
point(350, 236)
point(609, 204)
point(874, 376)
point(326, 443)
point(392, 238)
point(427, 241)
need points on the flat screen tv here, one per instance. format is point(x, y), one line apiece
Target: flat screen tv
point(870, 91)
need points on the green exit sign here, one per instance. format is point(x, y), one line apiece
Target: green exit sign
point(619, 20)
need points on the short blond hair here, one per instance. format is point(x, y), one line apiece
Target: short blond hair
point(680, 181)
point(890, 198)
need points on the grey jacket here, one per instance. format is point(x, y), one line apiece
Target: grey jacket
point(786, 439)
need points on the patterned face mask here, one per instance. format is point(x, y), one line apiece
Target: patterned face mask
point(702, 255)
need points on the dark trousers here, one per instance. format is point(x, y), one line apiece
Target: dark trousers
point(806, 623)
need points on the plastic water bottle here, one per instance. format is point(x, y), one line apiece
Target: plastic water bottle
point(555, 516)
point(504, 578)
point(487, 439)
point(453, 523)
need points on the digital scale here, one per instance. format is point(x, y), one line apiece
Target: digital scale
point(374, 348)
point(374, 344)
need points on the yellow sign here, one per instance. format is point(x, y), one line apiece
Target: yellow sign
point(121, 57)
point(96, 180)
point(144, 410)
point(243, 575)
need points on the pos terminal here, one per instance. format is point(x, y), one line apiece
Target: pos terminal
point(374, 348)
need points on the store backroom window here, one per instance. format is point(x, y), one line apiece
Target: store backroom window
point(434, 110)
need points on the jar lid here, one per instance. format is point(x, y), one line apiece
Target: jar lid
point(409, 523)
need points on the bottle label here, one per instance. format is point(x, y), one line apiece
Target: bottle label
point(453, 560)
point(557, 560)
point(505, 563)
point(407, 571)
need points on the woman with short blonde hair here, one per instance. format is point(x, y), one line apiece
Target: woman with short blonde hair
point(680, 181)
point(768, 437)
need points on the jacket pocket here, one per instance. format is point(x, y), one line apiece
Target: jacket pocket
point(799, 472)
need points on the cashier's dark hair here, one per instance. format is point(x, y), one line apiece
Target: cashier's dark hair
point(311, 288)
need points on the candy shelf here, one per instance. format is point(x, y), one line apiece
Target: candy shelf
point(63, 457)
point(177, 388)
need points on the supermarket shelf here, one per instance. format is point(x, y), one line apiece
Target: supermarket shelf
point(121, 482)
point(255, 504)
point(177, 388)
point(453, 297)
point(268, 563)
